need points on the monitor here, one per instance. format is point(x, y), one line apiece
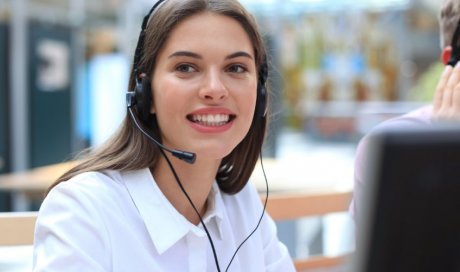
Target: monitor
point(412, 216)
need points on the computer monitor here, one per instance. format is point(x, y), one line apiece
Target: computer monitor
point(412, 221)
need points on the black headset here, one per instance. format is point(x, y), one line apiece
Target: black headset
point(455, 55)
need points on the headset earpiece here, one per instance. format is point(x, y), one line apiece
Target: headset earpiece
point(261, 103)
point(143, 98)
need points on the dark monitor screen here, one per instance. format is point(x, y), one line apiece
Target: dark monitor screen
point(412, 222)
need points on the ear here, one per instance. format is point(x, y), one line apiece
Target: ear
point(446, 54)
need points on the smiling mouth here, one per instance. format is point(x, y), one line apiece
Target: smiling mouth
point(211, 120)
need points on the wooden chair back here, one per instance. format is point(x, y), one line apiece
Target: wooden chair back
point(17, 228)
point(293, 206)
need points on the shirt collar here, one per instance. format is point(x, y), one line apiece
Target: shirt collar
point(216, 208)
point(165, 225)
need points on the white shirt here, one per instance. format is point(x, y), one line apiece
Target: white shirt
point(121, 221)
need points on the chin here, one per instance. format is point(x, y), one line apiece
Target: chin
point(215, 153)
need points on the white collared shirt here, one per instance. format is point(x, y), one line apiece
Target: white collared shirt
point(121, 221)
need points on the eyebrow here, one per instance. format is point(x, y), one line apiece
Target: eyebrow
point(239, 54)
point(185, 54)
point(198, 56)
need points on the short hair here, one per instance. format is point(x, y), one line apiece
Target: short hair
point(449, 17)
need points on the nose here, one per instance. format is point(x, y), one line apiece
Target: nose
point(213, 89)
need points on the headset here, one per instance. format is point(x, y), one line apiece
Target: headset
point(141, 100)
point(455, 55)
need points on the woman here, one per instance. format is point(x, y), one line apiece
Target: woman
point(199, 74)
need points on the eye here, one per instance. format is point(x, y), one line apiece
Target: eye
point(237, 68)
point(185, 68)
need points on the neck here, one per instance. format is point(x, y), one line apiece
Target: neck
point(196, 179)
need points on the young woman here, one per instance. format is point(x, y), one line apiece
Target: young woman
point(144, 201)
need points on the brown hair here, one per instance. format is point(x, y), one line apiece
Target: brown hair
point(449, 17)
point(129, 149)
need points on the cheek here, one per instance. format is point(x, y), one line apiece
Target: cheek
point(169, 104)
point(165, 106)
point(163, 93)
point(249, 104)
point(252, 101)
point(252, 106)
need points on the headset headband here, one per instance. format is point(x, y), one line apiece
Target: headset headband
point(455, 55)
point(140, 41)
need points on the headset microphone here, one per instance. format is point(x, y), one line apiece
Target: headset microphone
point(183, 155)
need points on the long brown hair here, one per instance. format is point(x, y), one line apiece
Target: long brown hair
point(129, 149)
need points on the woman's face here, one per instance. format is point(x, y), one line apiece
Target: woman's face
point(205, 86)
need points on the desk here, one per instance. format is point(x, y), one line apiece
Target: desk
point(300, 176)
point(31, 185)
point(35, 180)
point(283, 176)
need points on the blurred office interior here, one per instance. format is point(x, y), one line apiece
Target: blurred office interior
point(339, 68)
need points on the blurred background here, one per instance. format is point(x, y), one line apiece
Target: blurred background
point(339, 67)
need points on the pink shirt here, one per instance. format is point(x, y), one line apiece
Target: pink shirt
point(416, 118)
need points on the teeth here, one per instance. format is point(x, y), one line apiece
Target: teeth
point(211, 119)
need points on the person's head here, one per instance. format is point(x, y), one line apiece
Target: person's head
point(449, 17)
point(196, 54)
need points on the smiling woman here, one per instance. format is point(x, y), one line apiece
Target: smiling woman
point(136, 204)
point(220, 79)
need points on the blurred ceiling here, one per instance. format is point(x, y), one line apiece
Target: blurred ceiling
point(106, 7)
point(433, 4)
point(96, 11)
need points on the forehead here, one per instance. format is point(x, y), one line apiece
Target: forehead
point(208, 29)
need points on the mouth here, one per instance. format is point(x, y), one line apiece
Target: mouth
point(211, 120)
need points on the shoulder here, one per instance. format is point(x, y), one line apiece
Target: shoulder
point(89, 184)
point(416, 118)
point(246, 201)
point(78, 216)
point(91, 189)
point(83, 194)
